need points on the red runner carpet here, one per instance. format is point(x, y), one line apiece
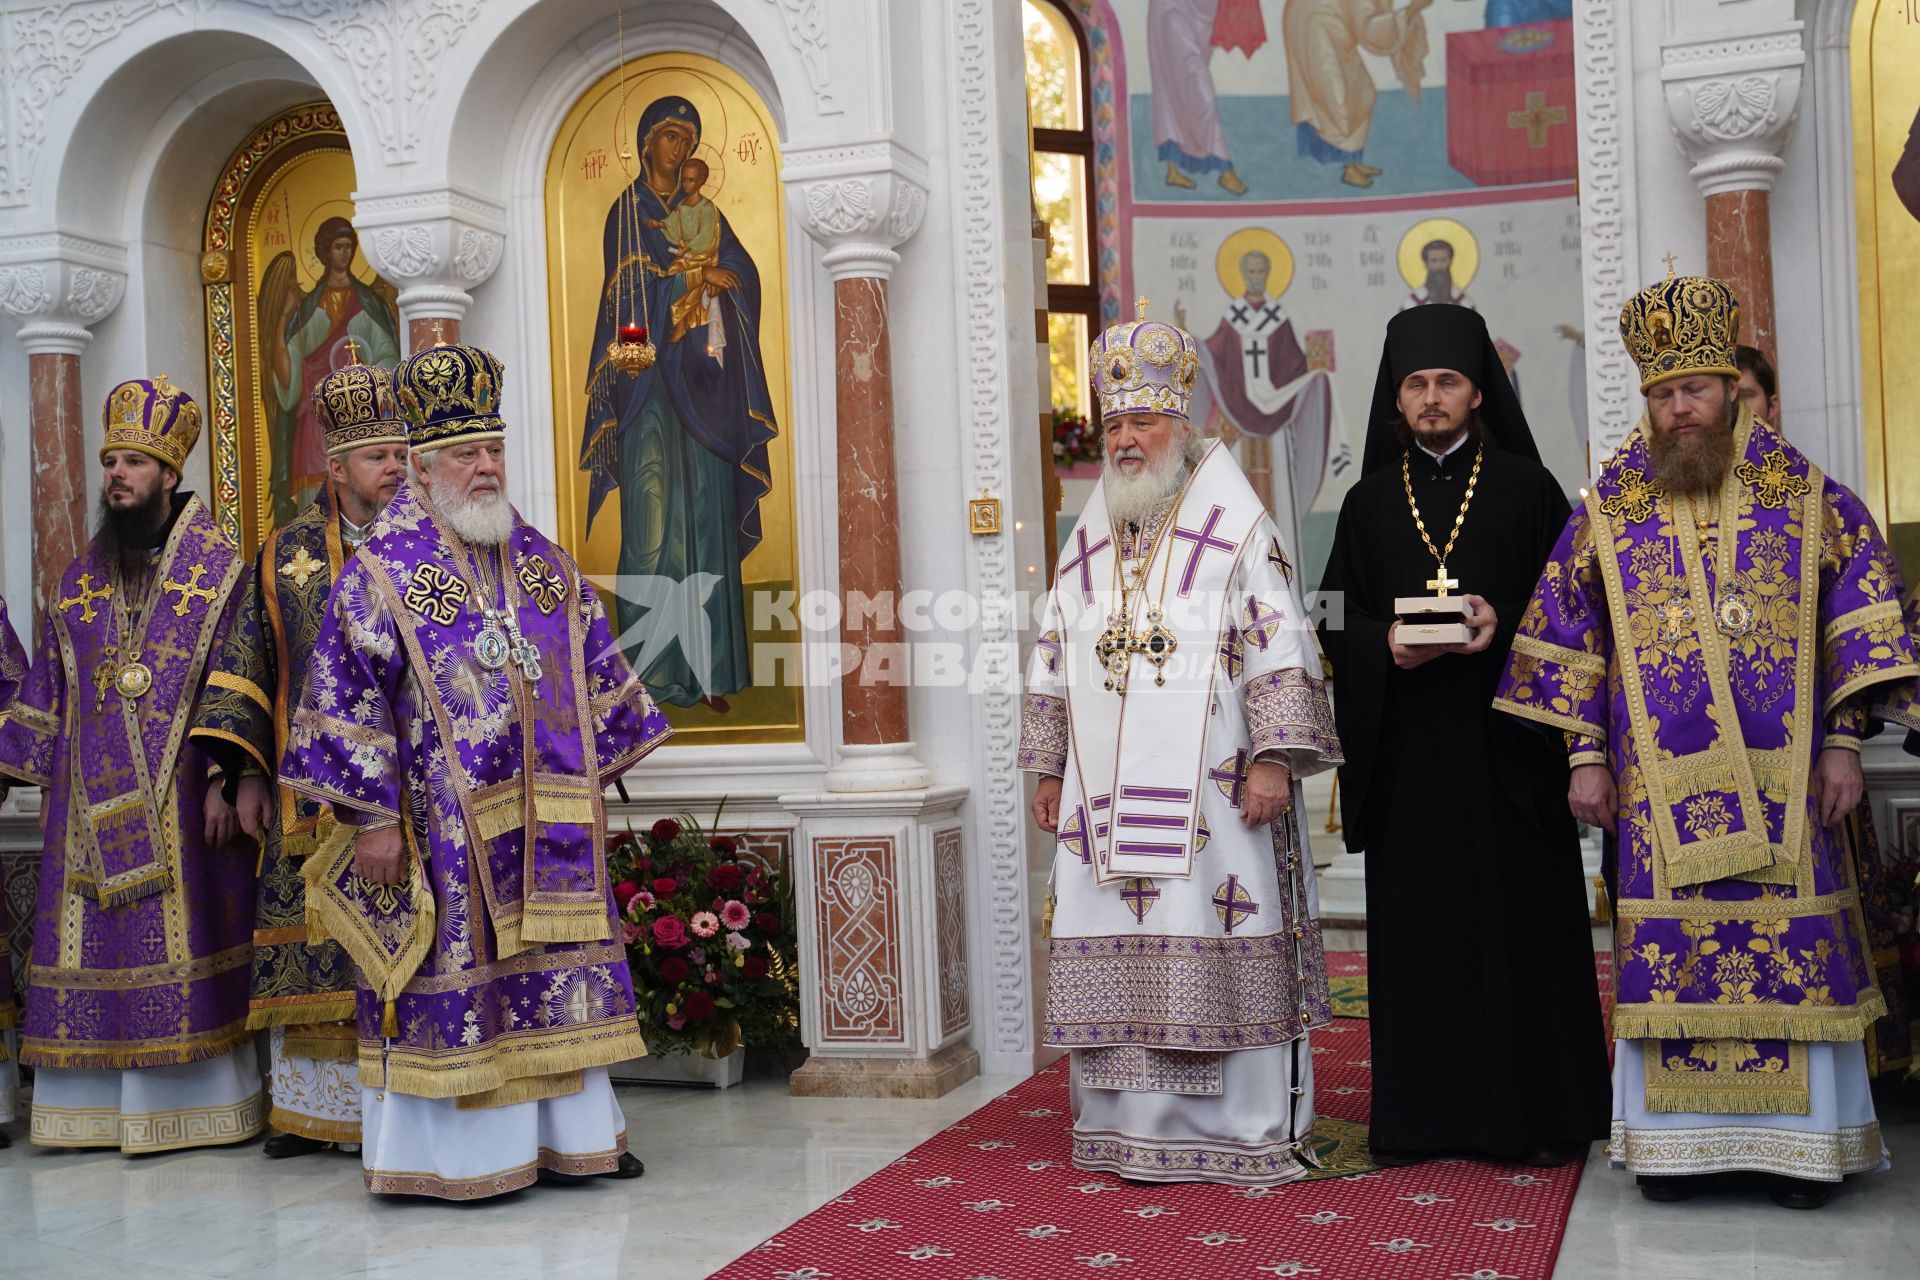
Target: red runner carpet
point(996, 1197)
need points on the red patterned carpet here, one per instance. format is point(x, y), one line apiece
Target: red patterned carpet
point(996, 1197)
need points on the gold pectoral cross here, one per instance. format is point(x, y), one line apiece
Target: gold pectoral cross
point(189, 591)
point(1442, 584)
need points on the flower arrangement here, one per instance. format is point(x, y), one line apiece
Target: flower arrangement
point(709, 939)
point(1074, 439)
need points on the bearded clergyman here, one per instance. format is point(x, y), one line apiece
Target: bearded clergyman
point(1174, 703)
point(303, 989)
point(1460, 814)
point(464, 710)
point(136, 1025)
point(1709, 635)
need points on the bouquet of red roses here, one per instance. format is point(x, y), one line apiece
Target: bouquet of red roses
point(1074, 439)
point(709, 938)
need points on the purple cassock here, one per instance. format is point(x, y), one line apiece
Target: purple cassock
point(499, 962)
point(143, 932)
point(1706, 652)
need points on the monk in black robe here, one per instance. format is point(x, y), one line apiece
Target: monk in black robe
point(1487, 1036)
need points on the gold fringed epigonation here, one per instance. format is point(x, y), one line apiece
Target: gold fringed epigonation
point(564, 922)
point(1830, 1024)
point(526, 1089)
point(1709, 1101)
point(1722, 864)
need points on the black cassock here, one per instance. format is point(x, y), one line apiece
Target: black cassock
point(1484, 1009)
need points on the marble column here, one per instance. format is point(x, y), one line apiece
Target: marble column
point(58, 285)
point(424, 331)
point(1740, 252)
point(1732, 85)
point(873, 690)
point(60, 470)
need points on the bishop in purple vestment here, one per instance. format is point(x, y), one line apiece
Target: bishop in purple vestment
point(136, 1022)
point(465, 707)
point(13, 672)
point(1709, 635)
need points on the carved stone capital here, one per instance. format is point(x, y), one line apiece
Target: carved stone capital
point(1731, 102)
point(860, 200)
point(61, 286)
point(435, 246)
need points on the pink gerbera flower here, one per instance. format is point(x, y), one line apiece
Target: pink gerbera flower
point(735, 915)
point(705, 923)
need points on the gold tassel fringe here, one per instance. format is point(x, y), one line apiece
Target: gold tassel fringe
point(525, 1089)
point(1602, 904)
point(1723, 1022)
point(1732, 1102)
point(593, 1046)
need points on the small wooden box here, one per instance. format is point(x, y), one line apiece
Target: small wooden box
point(1432, 620)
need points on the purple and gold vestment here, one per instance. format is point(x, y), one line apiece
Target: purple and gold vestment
point(1706, 652)
point(142, 931)
point(13, 673)
point(500, 962)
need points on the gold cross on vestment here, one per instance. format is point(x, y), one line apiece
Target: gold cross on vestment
point(85, 598)
point(189, 591)
point(301, 567)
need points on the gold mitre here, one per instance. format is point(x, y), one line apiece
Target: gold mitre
point(1144, 366)
point(1682, 325)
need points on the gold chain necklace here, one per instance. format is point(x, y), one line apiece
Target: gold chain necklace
point(1442, 584)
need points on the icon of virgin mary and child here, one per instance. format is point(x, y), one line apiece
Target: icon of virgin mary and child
point(685, 441)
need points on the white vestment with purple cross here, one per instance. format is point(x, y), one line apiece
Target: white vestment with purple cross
point(1185, 963)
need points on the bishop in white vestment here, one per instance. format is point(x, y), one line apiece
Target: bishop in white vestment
point(1174, 701)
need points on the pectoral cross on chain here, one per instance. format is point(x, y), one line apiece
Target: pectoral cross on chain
point(529, 659)
point(1442, 584)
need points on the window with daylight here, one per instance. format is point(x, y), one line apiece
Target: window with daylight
point(1062, 164)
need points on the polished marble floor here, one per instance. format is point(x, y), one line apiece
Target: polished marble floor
point(725, 1170)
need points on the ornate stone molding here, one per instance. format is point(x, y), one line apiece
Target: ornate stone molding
point(391, 50)
point(1731, 104)
point(1609, 240)
point(61, 286)
point(861, 201)
point(978, 229)
point(436, 246)
point(806, 22)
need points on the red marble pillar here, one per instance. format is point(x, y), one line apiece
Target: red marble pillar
point(423, 333)
point(60, 473)
point(1740, 252)
point(873, 691)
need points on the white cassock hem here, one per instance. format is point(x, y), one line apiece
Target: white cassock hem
point(414, 1146)
point(1841, 1135)
point(1249, 1133)
point(147, 1109)
point(313, 1097)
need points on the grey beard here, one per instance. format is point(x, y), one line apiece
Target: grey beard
point(1133, 499)
point(483, 525)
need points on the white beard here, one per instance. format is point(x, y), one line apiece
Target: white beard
point(484, 524)
point(1133, 499)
